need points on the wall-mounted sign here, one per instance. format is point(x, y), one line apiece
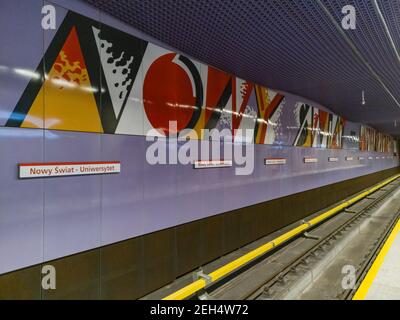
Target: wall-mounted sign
point(349, 158)
point(204, 164)
point(361, 158)
point(310, 160)
point(274, 161)
point(60, 169)
point(333, 159)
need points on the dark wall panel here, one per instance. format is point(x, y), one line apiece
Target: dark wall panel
point(212, 240)
point(21, 285)
point(159, 258)
point(77, 277)
point(122, 272)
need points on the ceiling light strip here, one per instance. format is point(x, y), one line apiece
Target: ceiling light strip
point(387, 31)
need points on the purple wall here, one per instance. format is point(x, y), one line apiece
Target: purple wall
point(44, 219)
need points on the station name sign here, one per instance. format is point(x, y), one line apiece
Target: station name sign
point(274, 161)
point(60, 169)
point(310, 160)
point(207, 164)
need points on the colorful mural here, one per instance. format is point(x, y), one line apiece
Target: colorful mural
point(98, 79)
point(372, 140)
point(318, 128)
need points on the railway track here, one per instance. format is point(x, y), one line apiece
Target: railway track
point(311, 266)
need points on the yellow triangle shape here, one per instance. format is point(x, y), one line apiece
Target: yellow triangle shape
point(67, 94)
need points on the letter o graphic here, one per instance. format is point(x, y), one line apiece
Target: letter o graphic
point(171, 94)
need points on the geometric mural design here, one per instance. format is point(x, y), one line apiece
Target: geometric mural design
point(372, 140)
point(318, 128)
point(96, 78)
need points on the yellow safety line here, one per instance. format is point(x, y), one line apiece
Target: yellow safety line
point(373, 271)
point(197, 285)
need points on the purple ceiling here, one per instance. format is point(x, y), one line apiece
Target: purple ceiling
point(296, 46)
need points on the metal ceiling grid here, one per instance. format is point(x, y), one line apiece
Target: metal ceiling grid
point(379, 53)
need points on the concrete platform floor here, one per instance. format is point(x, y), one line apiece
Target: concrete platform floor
point(386, 284)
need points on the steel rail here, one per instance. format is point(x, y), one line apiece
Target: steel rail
point(332, 236)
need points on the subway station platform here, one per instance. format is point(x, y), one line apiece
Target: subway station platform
point(157, 150)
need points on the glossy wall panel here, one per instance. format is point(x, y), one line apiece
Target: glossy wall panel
point(21, 202)
point(18, 65)
point(76, 224)
point(159, 189)
point(189, 196)
point(122, 209)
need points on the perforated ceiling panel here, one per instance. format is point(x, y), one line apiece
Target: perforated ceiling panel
point(291, 45)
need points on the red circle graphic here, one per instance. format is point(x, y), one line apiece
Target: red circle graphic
point(168, 94)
